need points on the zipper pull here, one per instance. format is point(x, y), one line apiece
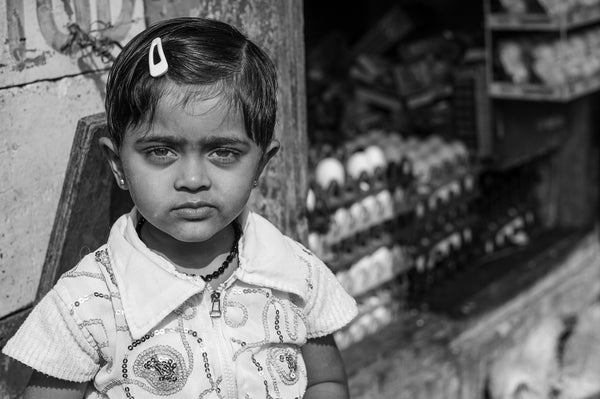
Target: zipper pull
point(215, 311)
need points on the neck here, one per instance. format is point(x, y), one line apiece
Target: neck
point(195, 257)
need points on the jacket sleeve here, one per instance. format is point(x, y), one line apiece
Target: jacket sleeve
point(329, 307)
point(53, 342)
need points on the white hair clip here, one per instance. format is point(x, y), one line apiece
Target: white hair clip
point(161, 67)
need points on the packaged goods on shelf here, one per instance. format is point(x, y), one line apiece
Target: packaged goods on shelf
point(550, 60)
point(528, 11)
point(395, 204)
point(405, 86)
point(543, 50)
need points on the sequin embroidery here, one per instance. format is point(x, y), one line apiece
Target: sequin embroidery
point(227, 305)
point(163, 368)
point(308, 263)
point(186, 311)
point(101, 257)
point(284, 359)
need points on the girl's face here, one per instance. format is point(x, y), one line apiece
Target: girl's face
point(191, 172)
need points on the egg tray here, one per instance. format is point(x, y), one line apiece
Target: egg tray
point(406, 228)
point(401, 230)
point(452, 266)
point(432, 246)
point(397, 175)
point(348, 335)
point(335, 196)
point(484, 231)
point(443, 255)
point(398, 283)
point(430, 213)
point(495, 207)
point(347, 252)
point(421, 215)
point(493, 236)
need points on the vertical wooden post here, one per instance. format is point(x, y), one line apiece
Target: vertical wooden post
point(278, 27)
point(576, 166)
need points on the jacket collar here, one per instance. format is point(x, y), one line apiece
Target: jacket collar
point(151, 288)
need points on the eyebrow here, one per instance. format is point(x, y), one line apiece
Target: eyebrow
point(210, 141)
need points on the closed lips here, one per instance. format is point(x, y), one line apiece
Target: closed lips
point(194, 205)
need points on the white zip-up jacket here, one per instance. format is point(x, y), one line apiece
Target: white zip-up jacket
point(127, 321)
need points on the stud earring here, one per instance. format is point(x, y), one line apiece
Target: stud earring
point(122, 182)
point(255, 183)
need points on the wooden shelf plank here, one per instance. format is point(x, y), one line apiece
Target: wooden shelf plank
point(538, 92)
point(543, 22)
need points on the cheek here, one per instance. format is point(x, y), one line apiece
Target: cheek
point(235, 190)
point(238, 192)
point(145, 188)
point(144, 196)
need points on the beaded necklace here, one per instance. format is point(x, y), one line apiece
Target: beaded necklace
point(232, 254)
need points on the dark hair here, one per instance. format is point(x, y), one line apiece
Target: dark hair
point(205, 57)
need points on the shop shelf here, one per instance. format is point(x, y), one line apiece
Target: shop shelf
point(561, 93)
point(543, 22)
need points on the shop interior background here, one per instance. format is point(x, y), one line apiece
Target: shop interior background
point(440, 156)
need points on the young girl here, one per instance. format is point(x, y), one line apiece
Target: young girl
point(193, 296)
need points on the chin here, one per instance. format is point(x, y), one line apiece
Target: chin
point(193, 237)
point(194, 231)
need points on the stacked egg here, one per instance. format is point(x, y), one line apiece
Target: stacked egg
point(364, 193)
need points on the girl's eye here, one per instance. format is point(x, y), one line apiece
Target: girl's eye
point(160, 154)
point(225, 155)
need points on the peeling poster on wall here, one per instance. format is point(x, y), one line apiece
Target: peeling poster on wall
point(44, 39)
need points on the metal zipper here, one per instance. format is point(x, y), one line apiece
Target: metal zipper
point(215, 308)
point(224, 354)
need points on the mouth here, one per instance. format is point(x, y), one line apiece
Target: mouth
point(194, 205)
point(194, 210)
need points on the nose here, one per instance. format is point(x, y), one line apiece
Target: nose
point(192, 175)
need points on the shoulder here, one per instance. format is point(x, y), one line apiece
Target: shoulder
point(88, 272)
point(328, 307)
point(303, 254)
point(89, 280)
point(318, 276)
point(270, 234)
point(269, 257)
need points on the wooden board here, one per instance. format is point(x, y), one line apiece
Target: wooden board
point(17, 374)
point(90, 201)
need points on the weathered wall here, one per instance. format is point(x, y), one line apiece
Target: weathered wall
point(43, 92)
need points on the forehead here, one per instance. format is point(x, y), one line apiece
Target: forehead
point(187, 113)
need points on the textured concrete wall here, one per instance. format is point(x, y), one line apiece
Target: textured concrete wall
point(39, 121)
point(43, 92)
point(35, 36)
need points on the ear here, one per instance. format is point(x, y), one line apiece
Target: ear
point(266, 157)
point(111, 153)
